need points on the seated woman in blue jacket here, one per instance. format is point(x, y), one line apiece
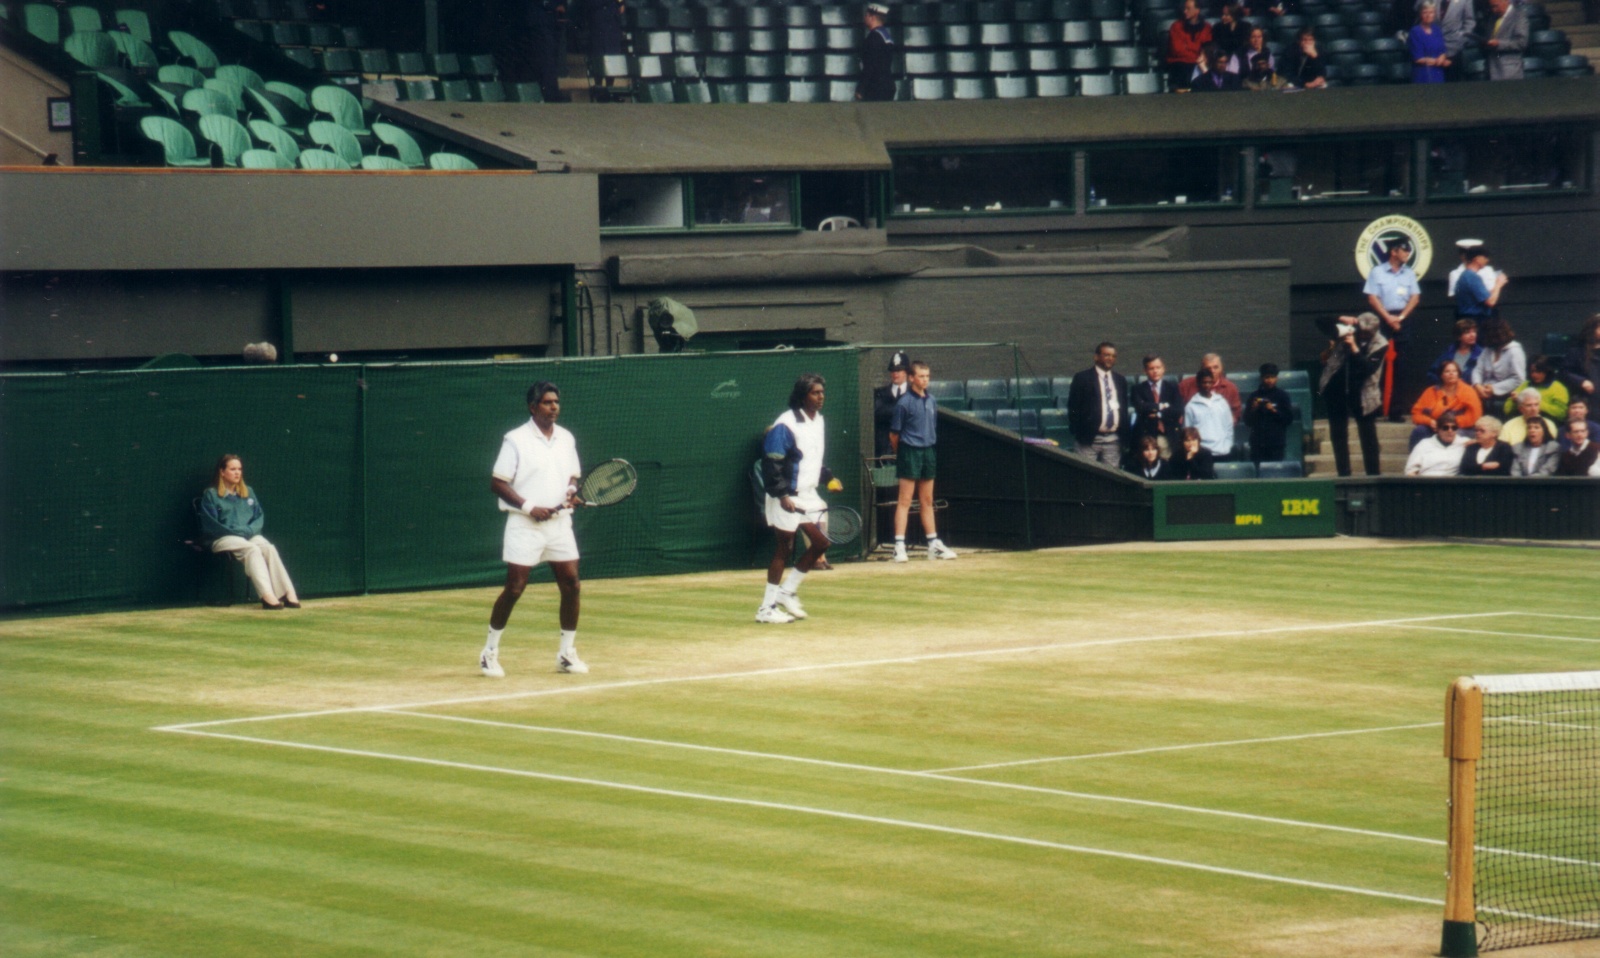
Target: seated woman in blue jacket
point(231, 517)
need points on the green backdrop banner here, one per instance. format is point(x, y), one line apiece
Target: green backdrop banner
point(377, 477)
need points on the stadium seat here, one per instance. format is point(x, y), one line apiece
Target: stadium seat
point(692, 91)
point(91, 48)
point(1137, 83)
point(841, 91)
point(446, 65)
point(685, 67)
point(801, 66)
point(763, 91)
point(488, 91)
point(339, 62)
point(43, 21)
point(1247, 382)
point(333, 137)
point(1116, 32)
point(1044, 61)
point(481, 65)
point(1280, 470)
point(1078, 33)
point(838, 39)
point(988, 393)
point(764, 41)
point(730, 91)
point(529, 92)
point(404, 145)
point(1088, 59)
point(278, 139)
point(1053, 424)
point(375, 62)
point(264, 160)
point(135, 23)
point(300, 57)
point(382, 163)
point(1011, 88)
point(806, 91)
point(1039, 34)
point(985, 415)
point(323, 35)
point(227, 135)
point(758, 66)
point(241, 76)
point(972, 88)
point(84, 19)
point(1008, 419)
point(287, 34)
point(206, 102)
point(126, 95)
point(1053, 84)
point(930, 88)
point(1033, 392)
point(450, 161)
point(177, 144)
point(1097, 84)
point(233, 91)
point(191, 48)
point(420, 90)
point(136, 54)
point(343, 108)
point(322, 160)
point(1236, 470)
point(840, 66)
point(951, 393)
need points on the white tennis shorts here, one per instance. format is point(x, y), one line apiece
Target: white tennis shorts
point(812, 503)
point(529, 543)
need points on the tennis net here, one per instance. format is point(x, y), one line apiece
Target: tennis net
point(1525, 753)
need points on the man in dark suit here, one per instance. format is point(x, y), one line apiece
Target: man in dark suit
point(1097, 409)
point(883, 400)
point(1157, 406)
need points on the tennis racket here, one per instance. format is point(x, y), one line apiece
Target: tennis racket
point(842, 524)
point(608, 483)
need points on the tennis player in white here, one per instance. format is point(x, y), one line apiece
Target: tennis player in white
point(536, 480)
point(791, 470)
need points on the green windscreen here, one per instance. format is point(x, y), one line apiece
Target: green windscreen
point(377, 477)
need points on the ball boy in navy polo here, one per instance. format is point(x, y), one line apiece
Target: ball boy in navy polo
point(914, 432)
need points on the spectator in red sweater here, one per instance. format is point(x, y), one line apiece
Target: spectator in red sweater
point(1184, 41)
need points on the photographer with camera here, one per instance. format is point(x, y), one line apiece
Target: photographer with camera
point(1351, 385)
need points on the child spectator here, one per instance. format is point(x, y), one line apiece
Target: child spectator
point(1268, 414)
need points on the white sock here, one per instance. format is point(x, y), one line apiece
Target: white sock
point(493, 643)
point(770, 597)
point(791, 582)
point(569, 637)
point(899, 542)
point(934, 543)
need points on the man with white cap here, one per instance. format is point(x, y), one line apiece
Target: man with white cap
point(877, 56)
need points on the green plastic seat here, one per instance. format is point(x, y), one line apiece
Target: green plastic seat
point(456, 91)
point(481, 65)
point(136, 53)
point(179, 73)
point(300, 57)
point(277, 138)
point(526, 92)
point(241, 76)
point(136, 23)
point(126, 95)
point(85, 19)
point(206, 102)
point(405, 146)
point(336, 138)
point(169, 94)
point(193, 49)
point(227, 135)
point(177, 145)
point(450, 161)
point(322, 160)
point(277, 111)
point(489, 91)
point(382, 163)
point(290, 92)
point(446, 64)
point(421, 90)
point(264, 160)
point(342, 106)
point(375, 61)
point(233, 91)
point(91, 48)
point(43, 21)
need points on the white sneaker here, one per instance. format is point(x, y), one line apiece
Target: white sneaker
point(569, 662)
point(489, 664)
point(772, 615)
point(899, 553)
point(941, 551)
point(791, 604)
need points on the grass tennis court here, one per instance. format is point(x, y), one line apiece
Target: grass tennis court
point(1212, 750)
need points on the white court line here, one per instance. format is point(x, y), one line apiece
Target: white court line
point(865, 663)
point(1182, 748)
point(1508, 635)
point(835, 814)
point(932, 776)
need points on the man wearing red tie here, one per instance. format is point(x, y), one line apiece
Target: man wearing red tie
point(1097, 409)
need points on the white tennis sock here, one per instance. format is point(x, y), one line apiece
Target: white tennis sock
point(771, 595)
point(791, 582)
point(569, 638)
point(493, 643)
point(899, 542)
point(934, 543)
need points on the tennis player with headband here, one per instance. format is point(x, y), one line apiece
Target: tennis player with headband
point(791, 470)
point(536, 480)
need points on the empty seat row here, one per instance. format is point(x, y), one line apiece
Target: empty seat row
point(730, 14)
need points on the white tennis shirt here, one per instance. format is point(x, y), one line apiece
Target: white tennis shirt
point(539, 469)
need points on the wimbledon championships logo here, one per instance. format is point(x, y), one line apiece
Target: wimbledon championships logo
point(1372, 248)
point(728, 389)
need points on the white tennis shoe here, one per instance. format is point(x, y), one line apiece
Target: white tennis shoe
point(900, 552)
point(939, 550)
point(791, 604)
point(489, 664)
point(569, 662)
point(772, 615)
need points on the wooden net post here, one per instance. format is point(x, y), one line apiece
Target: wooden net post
point(1463, 746)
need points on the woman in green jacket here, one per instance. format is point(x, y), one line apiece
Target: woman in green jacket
point(231, 517)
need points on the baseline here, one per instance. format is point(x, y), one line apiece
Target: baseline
point(831, 813)
point(817, 667)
